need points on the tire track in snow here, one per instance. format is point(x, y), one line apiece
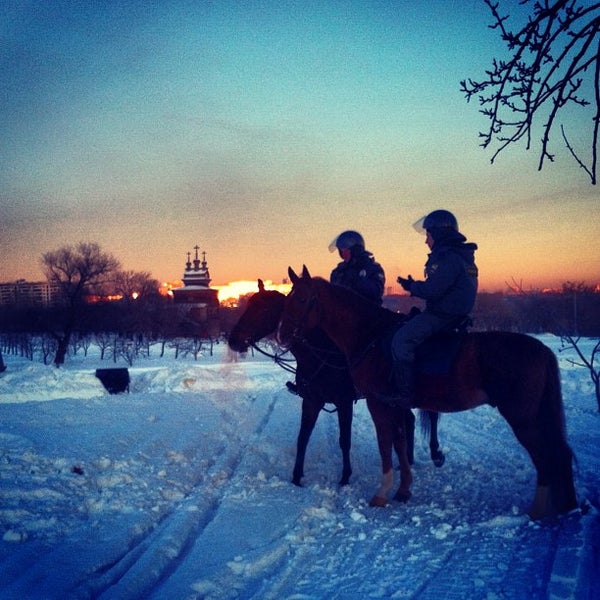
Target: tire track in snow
point(154, 557)
point(274, 520)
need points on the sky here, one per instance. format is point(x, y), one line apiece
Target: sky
point(260, 130)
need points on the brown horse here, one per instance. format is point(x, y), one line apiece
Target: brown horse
point(514, 372)
point(322, 377)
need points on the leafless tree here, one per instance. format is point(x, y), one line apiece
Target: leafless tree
point(135, 284)
point(554, 63)
point(589, 362)
point(74, 269)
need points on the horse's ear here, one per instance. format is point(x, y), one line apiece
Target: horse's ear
point(293, 277)
point(261, 285)
point(305, 272)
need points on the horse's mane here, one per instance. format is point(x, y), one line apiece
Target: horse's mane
point(355, 302)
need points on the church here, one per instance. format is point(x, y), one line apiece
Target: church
point(198, 300)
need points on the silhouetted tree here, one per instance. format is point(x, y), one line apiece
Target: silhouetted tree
point(133, 285)
point(74, 269)
point(555, 63)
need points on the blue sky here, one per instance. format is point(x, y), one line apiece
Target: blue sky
point(260, 130)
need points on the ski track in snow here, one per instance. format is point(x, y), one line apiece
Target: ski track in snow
point(184, 491)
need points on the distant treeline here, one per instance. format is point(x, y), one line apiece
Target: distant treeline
point(567, 313)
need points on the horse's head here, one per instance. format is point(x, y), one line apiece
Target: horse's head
point(301, 309)
point(259, 319)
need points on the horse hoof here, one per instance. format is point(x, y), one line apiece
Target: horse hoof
point(344, 481)
point(378, 501)
point(297, 482)
point(439, 459)
point(403, 497)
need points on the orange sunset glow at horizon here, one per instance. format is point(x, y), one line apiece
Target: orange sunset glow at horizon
point(231, 292)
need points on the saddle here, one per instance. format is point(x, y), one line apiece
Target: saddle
point(435, 355)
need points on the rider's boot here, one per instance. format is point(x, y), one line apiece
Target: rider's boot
point(403, 393)
point(292, 388)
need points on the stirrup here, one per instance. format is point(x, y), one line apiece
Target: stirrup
point(292, 388)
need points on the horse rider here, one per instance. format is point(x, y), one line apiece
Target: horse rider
point(449, 291)
point(358, 269)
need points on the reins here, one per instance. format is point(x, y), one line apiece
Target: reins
point(284, 363)
point(277, 358)
point(319, 352)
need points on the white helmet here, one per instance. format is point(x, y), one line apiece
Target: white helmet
point(346, 240)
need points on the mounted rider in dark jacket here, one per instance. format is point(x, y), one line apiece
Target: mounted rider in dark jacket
point(358, 270)
point(449, 291)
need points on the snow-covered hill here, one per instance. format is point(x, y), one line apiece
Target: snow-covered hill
point(181, 489)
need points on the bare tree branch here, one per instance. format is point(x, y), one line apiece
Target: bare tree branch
point(554, 58)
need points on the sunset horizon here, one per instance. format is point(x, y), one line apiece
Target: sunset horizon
point(237, 288)
point(260, 131)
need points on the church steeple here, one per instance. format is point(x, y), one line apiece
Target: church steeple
point(196, 273)
point(200, 300)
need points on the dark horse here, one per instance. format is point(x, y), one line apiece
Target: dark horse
point(514, 372)
point(322, 377)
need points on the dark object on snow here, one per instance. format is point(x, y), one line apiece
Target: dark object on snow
point(114, 380)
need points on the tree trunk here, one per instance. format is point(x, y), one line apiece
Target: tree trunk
point(63, 342)
point(61, 348)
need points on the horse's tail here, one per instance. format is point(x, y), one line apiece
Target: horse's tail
point(425, 424)
point(560, 455)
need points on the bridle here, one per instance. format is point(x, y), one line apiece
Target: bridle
point(277, 358)
point(322, 355)
point(298, 322)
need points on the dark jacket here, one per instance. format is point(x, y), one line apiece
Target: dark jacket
point(361, 274)
point(450, 286)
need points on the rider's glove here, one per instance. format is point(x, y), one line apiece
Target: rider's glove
point(406, 283)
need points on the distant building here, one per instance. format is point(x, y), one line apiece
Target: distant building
point(28, 293)
point(198, 297)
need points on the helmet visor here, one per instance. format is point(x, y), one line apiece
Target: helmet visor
point(346, 240)
point(418, 225)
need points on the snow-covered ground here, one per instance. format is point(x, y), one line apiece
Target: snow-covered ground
point(181, 489)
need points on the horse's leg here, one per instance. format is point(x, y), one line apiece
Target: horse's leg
point(429, 424)
point(344, 410)
point(410, 437)
point(552, 459)
point(536, 416)
point(380, 497)
point(310, 413)
point(557, 452)
point(403, 422)
point(528, 435)
point(437, 456)
point(383, 428)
